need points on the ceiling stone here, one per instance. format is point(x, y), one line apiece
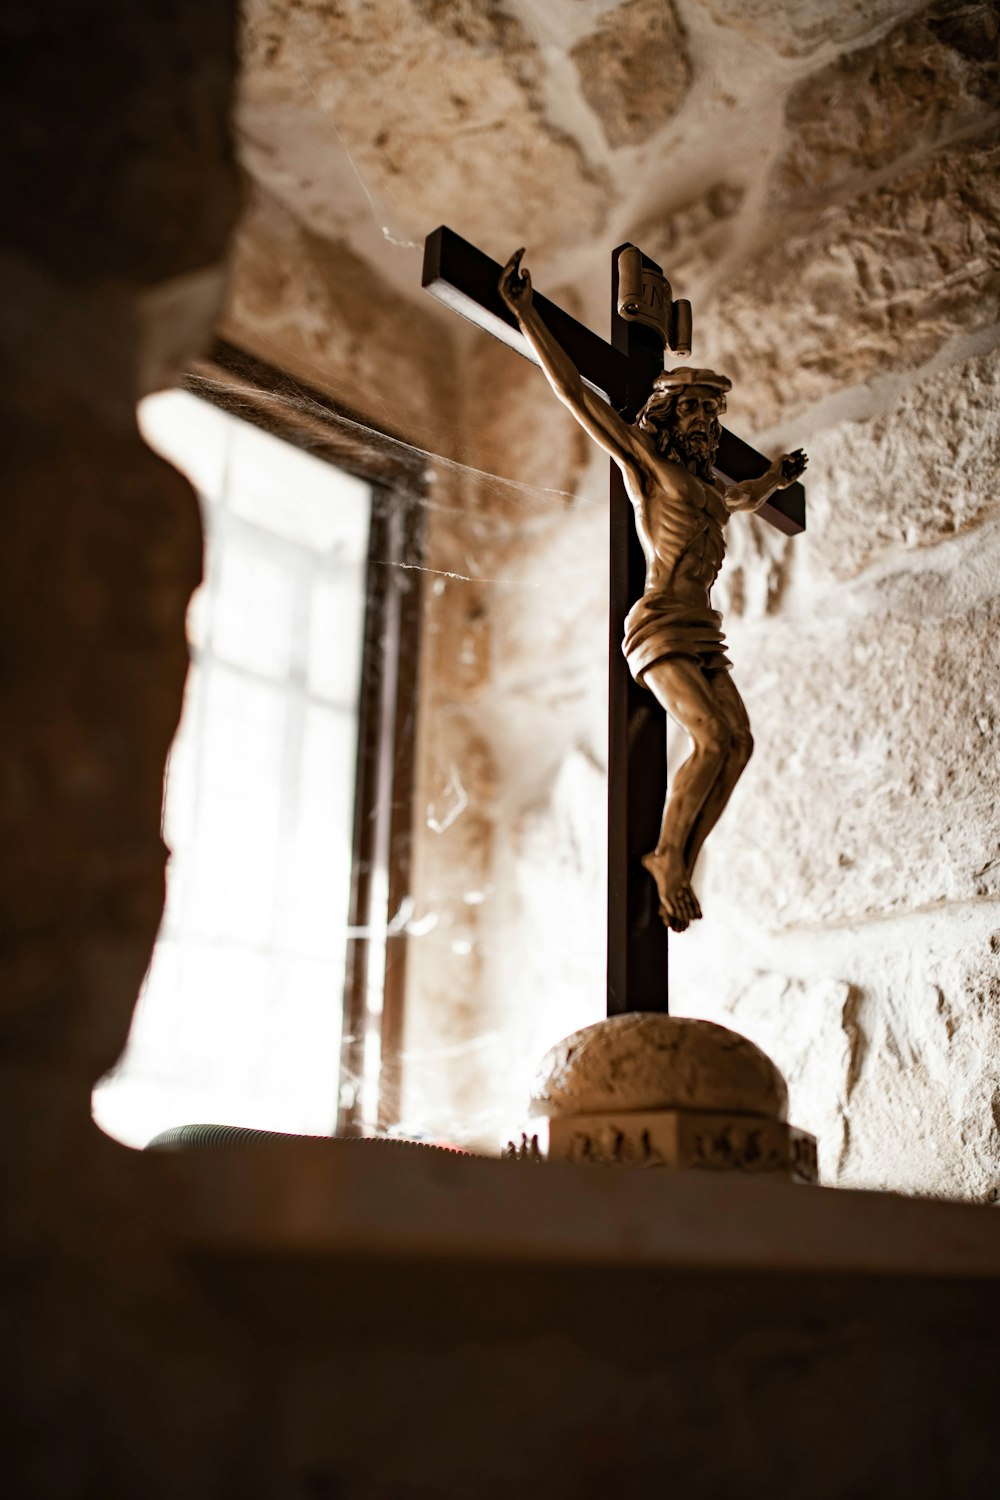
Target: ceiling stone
point(634, 70)
point(874, 285)
point(925, 81)
point(437, 106)
point(815, 177)
point(799, 27)
point(695, 234)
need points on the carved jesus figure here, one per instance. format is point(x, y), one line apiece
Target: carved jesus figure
point(673, 637)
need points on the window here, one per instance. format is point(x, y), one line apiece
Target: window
point(240, 1019)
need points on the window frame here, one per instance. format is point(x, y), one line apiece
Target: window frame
point(255, 391)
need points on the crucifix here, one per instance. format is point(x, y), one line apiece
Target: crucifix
point(683, 473)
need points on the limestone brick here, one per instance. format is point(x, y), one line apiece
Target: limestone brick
point(810, 1027)
point(928, 79)
point(894, 1070)
point(873, 785)
point(927, 1100)
point(887, 1043)
point(875, 285)
point(407, 90)
point(634, 69)
point(916, 475)
point(803, 27)
point(688, 239)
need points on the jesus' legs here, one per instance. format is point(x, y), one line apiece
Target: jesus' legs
point(694, 701)
point(740, 751)
point(710, 709)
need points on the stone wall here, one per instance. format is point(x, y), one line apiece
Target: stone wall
point(822, 182)
point(846, 274)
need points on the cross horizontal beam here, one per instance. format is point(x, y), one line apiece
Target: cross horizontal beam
point(467, 280)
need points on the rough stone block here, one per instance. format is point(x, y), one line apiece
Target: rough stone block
point(799, 27)
point(876, 285)
point(926, 1106)
point(893, 1066)
point(690, 239)
point(634, 70)
point(921, 472)
point(873, 786)
point(405, 90)
point(813, 1030)
point(928, 79)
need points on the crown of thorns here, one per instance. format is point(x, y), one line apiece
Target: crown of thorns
point(671, 382)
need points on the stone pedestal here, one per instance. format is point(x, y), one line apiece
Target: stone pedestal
point(649, 1090)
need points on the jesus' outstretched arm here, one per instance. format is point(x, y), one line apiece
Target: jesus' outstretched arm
point(753, 493)
point(595, 416)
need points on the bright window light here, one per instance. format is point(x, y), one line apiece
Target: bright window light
point(239, 1020)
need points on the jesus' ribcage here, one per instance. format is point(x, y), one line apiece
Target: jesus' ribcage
point(688, 541)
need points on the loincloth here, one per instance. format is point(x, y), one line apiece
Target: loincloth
point(657, 626)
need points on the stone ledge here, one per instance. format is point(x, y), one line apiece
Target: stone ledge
point(338, 1201)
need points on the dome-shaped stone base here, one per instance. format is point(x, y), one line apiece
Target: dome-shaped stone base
point(650, 1090)
point(646, 1061)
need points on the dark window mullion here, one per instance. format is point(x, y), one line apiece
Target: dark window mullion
point(359, 916)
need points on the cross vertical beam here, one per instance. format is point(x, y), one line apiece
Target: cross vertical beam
point(637, 732)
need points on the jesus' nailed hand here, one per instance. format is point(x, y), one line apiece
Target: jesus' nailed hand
point(673, 637)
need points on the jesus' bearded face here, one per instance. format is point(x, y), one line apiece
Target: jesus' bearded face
point(695, 423)
point(689, 428)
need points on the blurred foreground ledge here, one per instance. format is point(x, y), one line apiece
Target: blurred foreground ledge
point(354, 1199)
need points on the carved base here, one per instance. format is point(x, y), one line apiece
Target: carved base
point(673, 1138)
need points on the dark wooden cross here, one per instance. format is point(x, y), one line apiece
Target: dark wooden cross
point(623, 372)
